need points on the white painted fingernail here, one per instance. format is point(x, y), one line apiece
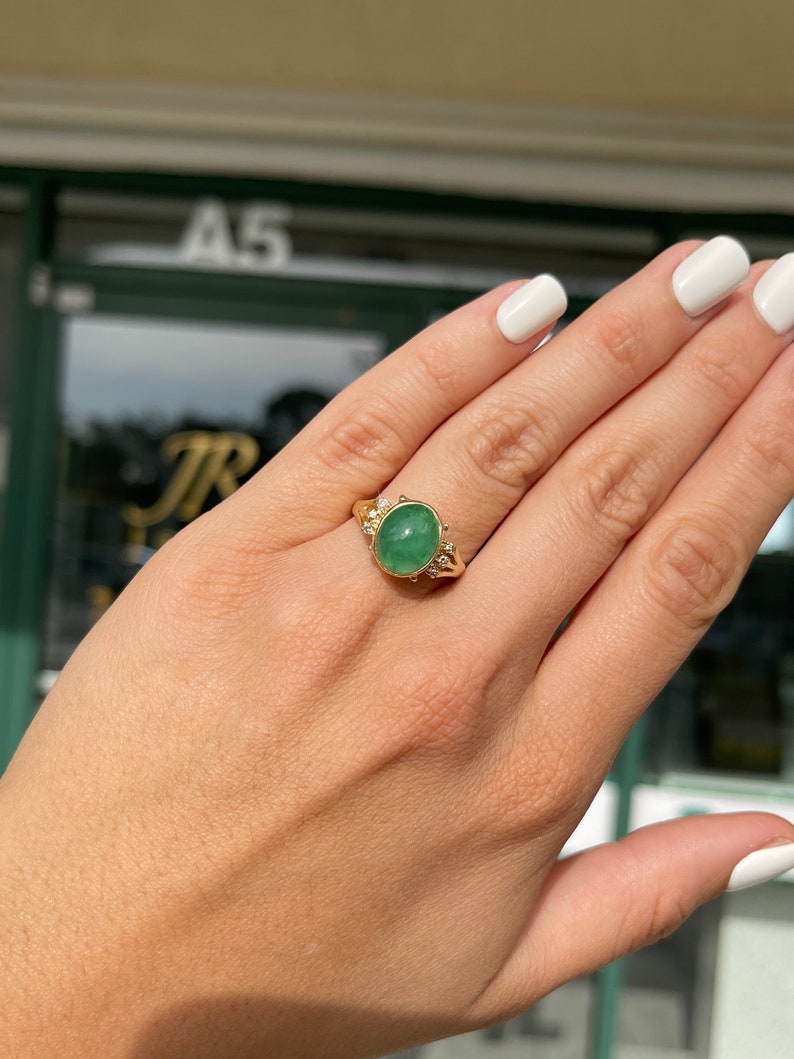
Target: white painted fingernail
point(762, 866)
point(531, 308)
point(715, 269)
point(774, 295)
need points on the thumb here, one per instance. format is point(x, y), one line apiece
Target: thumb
point(610, 900)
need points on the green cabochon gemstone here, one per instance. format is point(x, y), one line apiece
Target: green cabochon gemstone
point(407, 539)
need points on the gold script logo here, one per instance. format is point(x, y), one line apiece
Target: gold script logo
point(203, 460)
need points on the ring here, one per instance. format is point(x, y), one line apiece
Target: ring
point(407, 538)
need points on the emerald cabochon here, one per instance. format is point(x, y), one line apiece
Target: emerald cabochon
point(407, 538)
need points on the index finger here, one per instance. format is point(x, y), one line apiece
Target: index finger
point(369, 430)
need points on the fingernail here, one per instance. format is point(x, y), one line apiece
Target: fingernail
point(715, 269)
point(531, 308)
point(762, 866)
point(774, 295)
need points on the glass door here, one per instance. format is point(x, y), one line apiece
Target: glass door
point(162, 416)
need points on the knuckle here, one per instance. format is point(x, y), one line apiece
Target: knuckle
point(437, 362)
point(532, 791)
point(666, 914)
point(617, 336)
point(723, 372)
point(643, 918)
point(510, 446)
point(366, 438)
point(201, 578)
point(433, 702)
point(772, 450)
point(693, 574)
point(311, 650)
point(533, 801)
point(614, 490)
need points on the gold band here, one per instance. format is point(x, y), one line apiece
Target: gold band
point(407, 538)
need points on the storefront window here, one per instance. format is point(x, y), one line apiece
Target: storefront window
point(730, 709)
point(161, 419)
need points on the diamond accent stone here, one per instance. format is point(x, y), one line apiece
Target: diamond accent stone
point(383, 504)
point(442, 561)
point(368, 528)
point(432, 570)
point(373, 513)
point(448, 547)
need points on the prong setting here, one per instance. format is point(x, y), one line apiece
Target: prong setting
point(414, 543)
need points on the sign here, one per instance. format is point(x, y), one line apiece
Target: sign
point(259, 243)
point(203, 460)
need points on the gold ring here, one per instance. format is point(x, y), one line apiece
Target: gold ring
point(407, 538)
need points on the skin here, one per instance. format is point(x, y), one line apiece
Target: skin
point(279, 803)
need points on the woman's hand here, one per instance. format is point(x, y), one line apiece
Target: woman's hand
point(280, 803)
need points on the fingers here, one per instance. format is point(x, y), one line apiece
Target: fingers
point(481, 462)
point(369, 431)
point(363, 440)
point(612, 479)
point(645, 616)
point(613, 899)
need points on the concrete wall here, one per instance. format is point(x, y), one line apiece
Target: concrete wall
point(721, 57)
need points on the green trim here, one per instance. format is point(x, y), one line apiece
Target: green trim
point(116, 287)
point(610, 979)
point(29, 493)
point(667, 224)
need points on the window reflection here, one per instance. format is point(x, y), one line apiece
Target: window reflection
point(160, 421)
point(729, 708)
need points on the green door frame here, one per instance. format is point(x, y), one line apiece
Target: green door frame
point(28, 494)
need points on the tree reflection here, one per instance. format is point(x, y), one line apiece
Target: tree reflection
point(286, 415)
point(111, 465)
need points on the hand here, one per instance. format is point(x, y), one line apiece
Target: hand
point(280, 803)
